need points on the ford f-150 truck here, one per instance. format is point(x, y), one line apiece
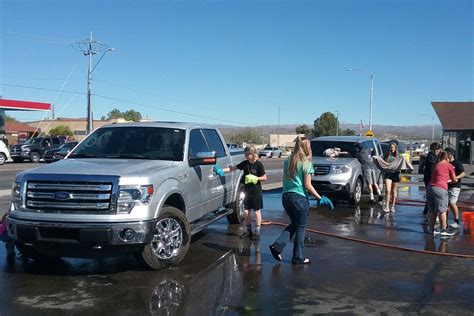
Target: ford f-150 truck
point(144, 188)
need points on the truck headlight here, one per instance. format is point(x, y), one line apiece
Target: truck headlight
point(130, 195)
point(16, 195)
point(339, 169)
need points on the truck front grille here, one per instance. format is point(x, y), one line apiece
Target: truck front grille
point(321, 170)
point(69, 197)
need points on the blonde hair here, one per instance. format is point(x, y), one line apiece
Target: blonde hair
point(302, 153)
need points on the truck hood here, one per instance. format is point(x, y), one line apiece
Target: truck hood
point(333, 161)
point(110, 167)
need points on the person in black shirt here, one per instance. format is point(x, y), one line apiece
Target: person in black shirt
point(455, 188)
point(254, 173)
point(430, 160)
point(364, 156)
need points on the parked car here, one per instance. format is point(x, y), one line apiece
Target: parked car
point(270, 152)
point(33, 149)
point(341, 176)
point(4, 153)
point(143, 188)
point(55, 154)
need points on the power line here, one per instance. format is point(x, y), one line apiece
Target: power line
point(35, 37)
point(130, 102)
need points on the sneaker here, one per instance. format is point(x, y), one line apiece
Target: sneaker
point(300, 262)
point(392, 209)
point(275, 253)
point(445, 232)
point(386, 210)
point(454, 225)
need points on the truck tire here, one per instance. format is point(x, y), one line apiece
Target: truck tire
point(3, 158)
point(170, 241)
point(238, 215)
point(357, 194)
point(34, 157)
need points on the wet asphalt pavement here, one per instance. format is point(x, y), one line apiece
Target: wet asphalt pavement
point(223, 274)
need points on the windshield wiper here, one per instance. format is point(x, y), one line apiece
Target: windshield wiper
point(83, 156)
point(127, 156)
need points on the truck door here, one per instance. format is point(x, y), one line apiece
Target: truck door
point(220, 193)
point(200, 177)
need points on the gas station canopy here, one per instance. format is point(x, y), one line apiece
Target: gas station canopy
point(15, 105)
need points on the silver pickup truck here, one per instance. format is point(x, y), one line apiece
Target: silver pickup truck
point(144, 188)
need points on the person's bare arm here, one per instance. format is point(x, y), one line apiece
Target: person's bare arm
point(263, 178)
point(309, 186)
point(230, 168)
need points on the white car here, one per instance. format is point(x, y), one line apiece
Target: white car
point(270, 152)
point(4, 153)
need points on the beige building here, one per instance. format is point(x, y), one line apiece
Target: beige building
point(77, 125)
point(284, 140)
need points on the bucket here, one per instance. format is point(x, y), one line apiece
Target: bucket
point(468, 223)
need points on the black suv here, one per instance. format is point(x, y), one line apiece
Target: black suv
point(34, 148)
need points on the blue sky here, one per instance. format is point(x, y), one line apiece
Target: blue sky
point(239, 62)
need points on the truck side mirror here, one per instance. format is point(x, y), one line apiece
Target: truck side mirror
point(203, 158)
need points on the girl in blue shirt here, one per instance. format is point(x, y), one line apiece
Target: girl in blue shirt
point(297, 172)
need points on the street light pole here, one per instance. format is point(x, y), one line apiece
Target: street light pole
point(371, 93)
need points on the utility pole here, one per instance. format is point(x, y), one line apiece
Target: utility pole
point(90, 47)
point(337, 123)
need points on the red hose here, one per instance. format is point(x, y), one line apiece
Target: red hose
point(374, 243)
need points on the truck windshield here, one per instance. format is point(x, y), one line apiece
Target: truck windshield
point(133, 143)
point(318, 147)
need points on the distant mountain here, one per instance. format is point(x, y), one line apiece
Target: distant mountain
point(382, 132)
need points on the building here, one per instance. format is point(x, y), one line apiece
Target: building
point(17, 132)
point(283, 140)
point(457, 119)
point(77, 125)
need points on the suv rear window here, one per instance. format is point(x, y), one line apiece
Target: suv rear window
point(318, 147)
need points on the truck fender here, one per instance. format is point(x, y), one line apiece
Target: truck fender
point(164, 191)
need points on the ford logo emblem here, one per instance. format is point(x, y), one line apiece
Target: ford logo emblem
point(62, 196)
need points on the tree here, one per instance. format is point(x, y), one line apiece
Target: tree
point(303, 129)
point(325, 125)
point(248, 135)
point(114, 114)
point(347, 132)
point(132, 115)
point(61, 130)
point(9, 118)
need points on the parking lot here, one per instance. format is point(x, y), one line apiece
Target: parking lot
point(393, 267)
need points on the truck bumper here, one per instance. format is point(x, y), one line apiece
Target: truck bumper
point(92, 234)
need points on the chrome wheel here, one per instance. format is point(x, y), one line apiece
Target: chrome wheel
point(358, 191)
point(241, 207)
point(3, 158)
point(167, 239)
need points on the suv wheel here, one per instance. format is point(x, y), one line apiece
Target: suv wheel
point(3, 158)
point(34, 157)
point(357, 194)
point(238, 214)
point(170, 241)
point(279, 156)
